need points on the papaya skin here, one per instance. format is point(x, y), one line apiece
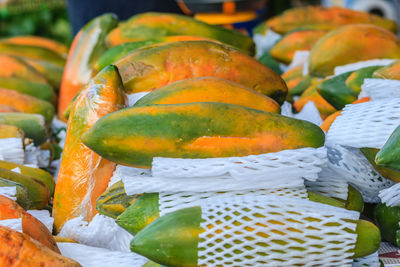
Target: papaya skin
point(389, 155)
point(200, 130)
point(354, 200)
point(391, 72)
point(81, 182)
point(356, 79)
point(38, 90)
point(148, 69)
point(19, 249)
point(388, 219)
point(87, 46)
point(301, 40)
point(159, 25)
point(324, 18)
point(51, 72)
point(293, 77)
point(209, 89)
point(4, 108)
point(10, 131)
point(31, 226)
point(370, 154)
point(17, 68)
point(337, 47)
point(368, 239)
point(26, 103)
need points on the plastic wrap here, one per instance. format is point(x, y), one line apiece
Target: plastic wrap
point(84, 175)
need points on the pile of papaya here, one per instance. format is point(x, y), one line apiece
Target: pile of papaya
point(162, 85)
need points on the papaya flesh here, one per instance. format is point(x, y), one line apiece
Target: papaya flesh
point(389, 155)
point(195, 130)
point(10, 131)
point(148, 69)
point(31, 226)
point(26, 103)
point(19, 249)
point(82, 180)
point(87, 46)
point(325, 18)
point(209, 89)
point(391, 72)
point(155, 25)
point(337, 47)
point(172, 239)
point(370, 154)
point(301, 40)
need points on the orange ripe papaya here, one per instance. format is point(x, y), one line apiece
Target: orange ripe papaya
point(293, 77)
point(10, 131)
point(18, 249)
point(311, 94)
point(326, 18)
point(209, 89)
point(302, 40)
point(83, 174)
point(9, 209)
point(349, 44)
point(87, 46)
point(150, 68)
point(389, 72)
point(31, 40)
point(5, 108)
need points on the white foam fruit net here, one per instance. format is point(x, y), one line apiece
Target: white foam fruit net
point(365, 125)
point(308, 113)
point(12, 149)
point(15, 224)
point(362, 64)
point(330, 184)
point(266, 41)
point(9, 191)
point(391, 196)
point(275, 231)
point(351, 166)
point(367, 261)
point(378, 89)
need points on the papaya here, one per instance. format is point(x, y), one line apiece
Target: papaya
point(355, 200)
point(31, 226)
point(21, 192)
point(87, 46)
point(338, 47)
point(148, 69)
point(173, 239)
point(391, 72)
point(10, 131)
point(311, 94)
point(114, 201)
point(387, 218)
point(195, 130)
point(209, 89)
point(356, 79)
point(17, 68)
point(293, 77)
point(154, 25)
point(37, 173)
point(19, 249)
point(391, 174)
point(82, 180)
point(32, 52)
point(38, 193)
point(301, 40)
point(305, 82)
point(325, 18)
point(26, 103)
point(51, 72)
point(4, 108)
point(32, 40)
point(33, 125)
point(38, 90)
point(389, 155)
point(270, 62)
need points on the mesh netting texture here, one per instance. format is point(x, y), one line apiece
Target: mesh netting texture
point(330, 184)
point(362, 64)
point(12, 149)
point(378, 89)
point(275, 231)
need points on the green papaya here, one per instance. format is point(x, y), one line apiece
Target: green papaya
point(389, 155)
point(370, 154)
point(356, 79)
point(302, 86)
point(388, 219)
point(38, 90)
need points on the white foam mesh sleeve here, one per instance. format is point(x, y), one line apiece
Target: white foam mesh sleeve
point(330, 184)
point(367, 261)
point(9, 191)
point(299, 59)
point(365, 125)
point(308, 113)
point(275, 231)
point(266, 41)
point(89, 256)
point(12, 149)
point(362, 64)
point(352, 166)
point(171, 201)
point(391, 196)
point(15, 224)
point(378, 89)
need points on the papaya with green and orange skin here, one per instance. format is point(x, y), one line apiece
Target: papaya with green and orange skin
point(10, 131)
point(87, 46)
point(370, 154)
point(391, 71)
point(389, 155)
point(148, 69)
point(305, 82)
point(209, 89)
point(5, 108)
point(84, 175)
point(338, 47)
point(17, 68)
point(293, 77)
point(311, 94)
point(38, 90)
point(51, 72)
point(301, 40)
point(388, 219)
point(32, 40)
point(325, 18)
point(195, 130)
point(356, 79)
point(155, 25)
point(26, 103)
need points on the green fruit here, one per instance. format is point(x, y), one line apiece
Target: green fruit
point(22, 193)
point(38, 90)
point(370, 154)
point(354, 200)
point(388, 219)
point(368, 239)
point(389, 155)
